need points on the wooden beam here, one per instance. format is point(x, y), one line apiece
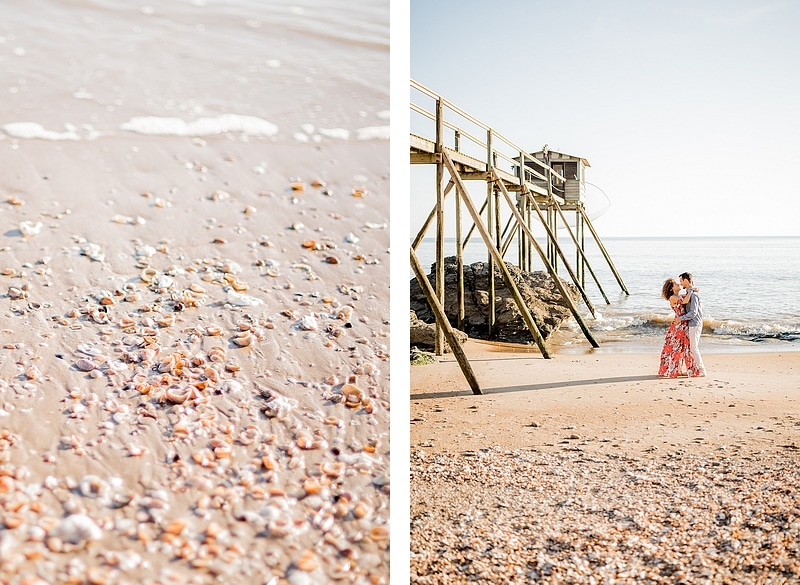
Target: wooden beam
point(422, 158)
point(473, 175)
point(444, 323)
point(472, 228)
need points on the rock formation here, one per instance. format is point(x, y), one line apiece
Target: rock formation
point(539, 292)
point(423, 335)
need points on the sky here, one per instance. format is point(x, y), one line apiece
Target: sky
point(688, 112)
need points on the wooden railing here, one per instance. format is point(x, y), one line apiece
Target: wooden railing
point(466, 134)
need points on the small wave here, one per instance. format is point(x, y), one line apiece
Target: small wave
point(158, 126)
point(338, 133)
point(648, 323)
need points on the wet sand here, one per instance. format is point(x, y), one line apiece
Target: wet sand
point(180, 319)
point(590, 467)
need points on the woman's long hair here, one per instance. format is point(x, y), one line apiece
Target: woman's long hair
point(666, 290)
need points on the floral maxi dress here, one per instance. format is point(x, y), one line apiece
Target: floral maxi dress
point(676, 356)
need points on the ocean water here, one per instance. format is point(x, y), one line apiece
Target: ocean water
point(748, 288)
point(313, 72)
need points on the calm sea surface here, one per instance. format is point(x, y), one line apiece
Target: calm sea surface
point(749, 289)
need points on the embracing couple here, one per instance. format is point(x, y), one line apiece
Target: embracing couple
point(680, 355)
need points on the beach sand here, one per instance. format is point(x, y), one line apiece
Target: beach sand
point(589, 468)
point(178, 325)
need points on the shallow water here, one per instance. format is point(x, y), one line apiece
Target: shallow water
point(94, 68)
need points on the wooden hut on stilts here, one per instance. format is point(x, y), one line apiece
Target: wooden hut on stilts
point(546, 186)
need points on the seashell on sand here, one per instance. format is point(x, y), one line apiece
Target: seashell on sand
point(91, 486)
point(243, 338)
point(308, 323)
point(77, 529)
point(29, 228)
point(241, 300)
point(178, 394)
point(85, 365)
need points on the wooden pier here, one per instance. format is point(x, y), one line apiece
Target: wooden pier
point(534, 191)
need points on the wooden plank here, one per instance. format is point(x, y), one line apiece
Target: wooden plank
point(444, 323)
point(422, 158)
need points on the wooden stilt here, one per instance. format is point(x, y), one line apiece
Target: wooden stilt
point(444, 323)
point(459, 263)
point(508, 236)
point(462, 192)
point(439, 348)
point(472, 227)
point(490, 261)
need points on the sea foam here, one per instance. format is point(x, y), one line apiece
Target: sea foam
point(34, 130)
point(159, 126)
point(373, 133)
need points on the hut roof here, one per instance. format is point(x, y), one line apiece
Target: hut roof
point(561, 155)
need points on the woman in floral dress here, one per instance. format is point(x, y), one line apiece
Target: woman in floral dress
point(676, 357)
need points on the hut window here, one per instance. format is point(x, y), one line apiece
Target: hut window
point(570, 170)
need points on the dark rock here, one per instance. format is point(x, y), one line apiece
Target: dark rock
point(543, 299)
point(424, 334)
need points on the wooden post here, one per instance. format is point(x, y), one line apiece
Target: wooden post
point(560, 285)
point(462, 192)
point(439, 347)
point(548, 172)
point(580, 259)
point(459, 262)
point(508, 236)
point(490, 221)
point(523, 260)
point(582, 211)
point(441, 319)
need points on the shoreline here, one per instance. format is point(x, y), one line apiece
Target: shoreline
point(648, 345)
